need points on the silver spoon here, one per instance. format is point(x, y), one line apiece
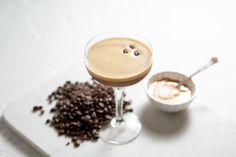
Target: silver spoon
point(212, 61)
point(174, 90)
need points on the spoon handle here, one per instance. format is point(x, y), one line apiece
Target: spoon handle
point(212, 61)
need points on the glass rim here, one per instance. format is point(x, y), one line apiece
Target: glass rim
point(115, 34)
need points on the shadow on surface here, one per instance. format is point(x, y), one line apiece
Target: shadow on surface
point(15, 141)
point(164, 124)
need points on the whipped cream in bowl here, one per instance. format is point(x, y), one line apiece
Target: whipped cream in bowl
point(164, 92)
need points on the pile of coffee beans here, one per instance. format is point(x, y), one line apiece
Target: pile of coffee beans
point(82, 109)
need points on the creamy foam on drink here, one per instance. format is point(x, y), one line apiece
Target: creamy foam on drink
point(119, 61)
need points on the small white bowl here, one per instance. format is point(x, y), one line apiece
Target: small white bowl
point(167, 107)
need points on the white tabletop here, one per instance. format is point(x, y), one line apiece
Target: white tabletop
point(39, 39)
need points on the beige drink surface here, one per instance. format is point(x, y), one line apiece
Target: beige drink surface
point(107, 62)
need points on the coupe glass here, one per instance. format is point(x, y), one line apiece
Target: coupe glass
point(123, 128)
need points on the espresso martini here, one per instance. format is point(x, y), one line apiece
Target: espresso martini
point(118, 62)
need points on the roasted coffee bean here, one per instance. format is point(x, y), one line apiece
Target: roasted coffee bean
point(41, 112)
point(47, 121)
point(37, 108)
point(99, 111)
point(125, 51)
point(95, 137)
point(69, 82)
point(108, 117)
point(56, 120)
point(106, 109)
point(130, 110)
point(99, 126)
point(84, 137)
point(136, 53)
point(60, 90)
point(53, 110)
point(94, 131)
point(131, 46)
point(71, 117)
point(89, 98)
point(88, 117)
point(94, 115)
point(77, 143)
point(61, 131)
point(74, 139)
point(86, 112)
point(89, 134)
point(101, 104)
point(78, 113)
point(95, 121)
point(50, 98)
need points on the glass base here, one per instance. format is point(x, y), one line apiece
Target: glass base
point(122, 132)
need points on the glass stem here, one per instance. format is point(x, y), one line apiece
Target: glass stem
point(119, 99)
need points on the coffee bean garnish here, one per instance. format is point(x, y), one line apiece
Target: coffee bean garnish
point(68, 143)
point(136, 53)
point(131, 46)
point(81, 110)
point(125, 51)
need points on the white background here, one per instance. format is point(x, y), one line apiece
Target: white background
point(38, 39)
